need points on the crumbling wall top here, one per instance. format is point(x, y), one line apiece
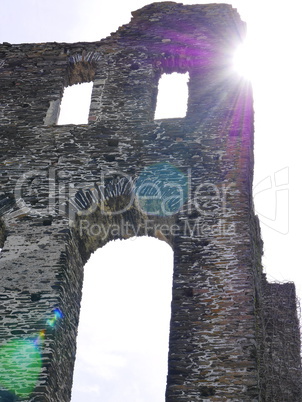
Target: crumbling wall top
point(171, 26)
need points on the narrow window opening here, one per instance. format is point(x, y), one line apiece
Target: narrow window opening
point(122, 345)
point(75, 104)
point(172, 96)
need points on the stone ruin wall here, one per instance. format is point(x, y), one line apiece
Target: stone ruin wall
point(233, 335)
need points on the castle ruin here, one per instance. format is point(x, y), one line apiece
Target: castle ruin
point(233, 335)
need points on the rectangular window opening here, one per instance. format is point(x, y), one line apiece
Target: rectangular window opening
point(172, 99)
point(75, 104)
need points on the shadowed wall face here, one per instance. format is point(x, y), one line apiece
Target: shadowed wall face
point(68, 190)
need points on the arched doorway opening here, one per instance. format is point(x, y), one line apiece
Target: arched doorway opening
point(122, 346)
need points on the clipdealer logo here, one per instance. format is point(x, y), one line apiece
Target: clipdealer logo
point(160, 190)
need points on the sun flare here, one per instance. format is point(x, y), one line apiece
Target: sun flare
point(244, 61)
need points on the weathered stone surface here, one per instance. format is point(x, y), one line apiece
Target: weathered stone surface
point(67, 190)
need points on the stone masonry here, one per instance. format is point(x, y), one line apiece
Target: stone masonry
point(188, 181)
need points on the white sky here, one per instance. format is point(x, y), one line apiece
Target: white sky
point(274, 37)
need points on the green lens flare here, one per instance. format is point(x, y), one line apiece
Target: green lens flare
point(20, 366)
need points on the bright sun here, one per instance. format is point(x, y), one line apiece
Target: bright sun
point(244, 60)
